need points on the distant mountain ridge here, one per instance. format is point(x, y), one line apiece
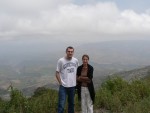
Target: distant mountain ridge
point(139, 73)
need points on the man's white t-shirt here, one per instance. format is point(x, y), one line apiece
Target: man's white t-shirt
point(67, 70)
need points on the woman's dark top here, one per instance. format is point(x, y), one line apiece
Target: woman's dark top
point(89, 85)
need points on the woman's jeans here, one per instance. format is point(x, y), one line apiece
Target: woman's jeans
point(63, 92)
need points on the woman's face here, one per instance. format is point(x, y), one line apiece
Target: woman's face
point(85, 60)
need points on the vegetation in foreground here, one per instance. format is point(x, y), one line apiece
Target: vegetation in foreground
point(115, 95)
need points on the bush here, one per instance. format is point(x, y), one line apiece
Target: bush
point(117, 94)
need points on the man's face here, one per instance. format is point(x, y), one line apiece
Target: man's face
point(69, 53)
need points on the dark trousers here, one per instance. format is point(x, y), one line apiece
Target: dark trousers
point(63, 93)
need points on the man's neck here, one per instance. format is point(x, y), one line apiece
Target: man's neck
point(68, 58)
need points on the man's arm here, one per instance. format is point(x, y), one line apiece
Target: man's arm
point(58, 77)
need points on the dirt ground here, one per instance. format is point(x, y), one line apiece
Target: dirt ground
point(97, 111)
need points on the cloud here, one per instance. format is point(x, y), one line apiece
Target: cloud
point(64, 18)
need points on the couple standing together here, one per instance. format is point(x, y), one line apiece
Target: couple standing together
point(70, 76)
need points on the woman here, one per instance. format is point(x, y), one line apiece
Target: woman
point(85, 87)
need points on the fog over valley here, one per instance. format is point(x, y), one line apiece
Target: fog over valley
point(33, 63)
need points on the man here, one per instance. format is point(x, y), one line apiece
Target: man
point(66, 77)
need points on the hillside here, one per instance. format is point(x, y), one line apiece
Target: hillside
point(26, 67)
point(115, 95)
point(139, 73)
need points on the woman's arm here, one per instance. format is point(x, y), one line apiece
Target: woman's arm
point(84, 79)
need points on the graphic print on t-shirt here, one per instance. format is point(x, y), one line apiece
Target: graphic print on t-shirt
point(71, 70)
point(70, 67)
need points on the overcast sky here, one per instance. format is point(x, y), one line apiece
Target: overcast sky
point(75, 20)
